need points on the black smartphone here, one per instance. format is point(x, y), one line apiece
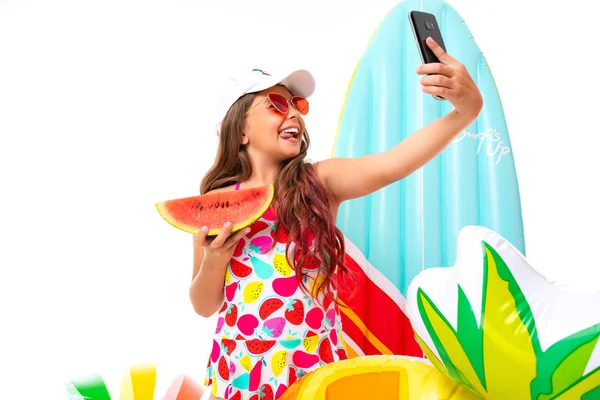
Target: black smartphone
point(423, 25)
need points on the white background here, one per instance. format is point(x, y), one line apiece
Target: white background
point(107, 106)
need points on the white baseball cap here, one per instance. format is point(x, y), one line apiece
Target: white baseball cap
point(299, 82)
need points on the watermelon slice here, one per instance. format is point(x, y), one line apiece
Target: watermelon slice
point(184, 388)
point(240, 207)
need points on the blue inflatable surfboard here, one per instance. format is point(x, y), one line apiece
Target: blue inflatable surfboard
point(397, 232)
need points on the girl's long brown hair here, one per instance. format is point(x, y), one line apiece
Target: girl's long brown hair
point(302, 203)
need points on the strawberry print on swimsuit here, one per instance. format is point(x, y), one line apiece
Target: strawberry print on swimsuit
point(269, 332)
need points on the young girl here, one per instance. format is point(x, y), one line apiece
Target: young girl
point(274, 284)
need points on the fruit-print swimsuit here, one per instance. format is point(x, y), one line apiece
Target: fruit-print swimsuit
point(269, 333)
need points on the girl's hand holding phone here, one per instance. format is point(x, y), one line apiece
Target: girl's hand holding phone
point(451, 80)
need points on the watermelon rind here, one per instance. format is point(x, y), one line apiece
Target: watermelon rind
point(160, 206)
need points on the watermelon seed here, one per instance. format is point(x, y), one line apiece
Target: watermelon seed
point(227, 204)
point(217, 205)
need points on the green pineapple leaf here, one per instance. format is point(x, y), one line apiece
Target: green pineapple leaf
point(447, 344)
point(592, 394)
point(564, 363)
point(432, 357)
point(470, 335)
point(586, 388)
point(510, 343)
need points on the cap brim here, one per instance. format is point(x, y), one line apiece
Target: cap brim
point(299, 82)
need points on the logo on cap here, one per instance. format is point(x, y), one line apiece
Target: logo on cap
point(261, 71)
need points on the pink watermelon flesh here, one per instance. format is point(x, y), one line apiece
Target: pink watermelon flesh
point(240, 207)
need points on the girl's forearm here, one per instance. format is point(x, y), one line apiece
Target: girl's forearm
point(206, 289)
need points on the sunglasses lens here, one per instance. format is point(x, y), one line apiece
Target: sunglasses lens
point(301, 105)
point(279, 102)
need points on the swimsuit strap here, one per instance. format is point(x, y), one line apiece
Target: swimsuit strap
point(237, 186)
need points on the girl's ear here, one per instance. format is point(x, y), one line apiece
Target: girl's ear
point(245, 139)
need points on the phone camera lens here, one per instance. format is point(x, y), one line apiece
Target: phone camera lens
point(428, 25)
